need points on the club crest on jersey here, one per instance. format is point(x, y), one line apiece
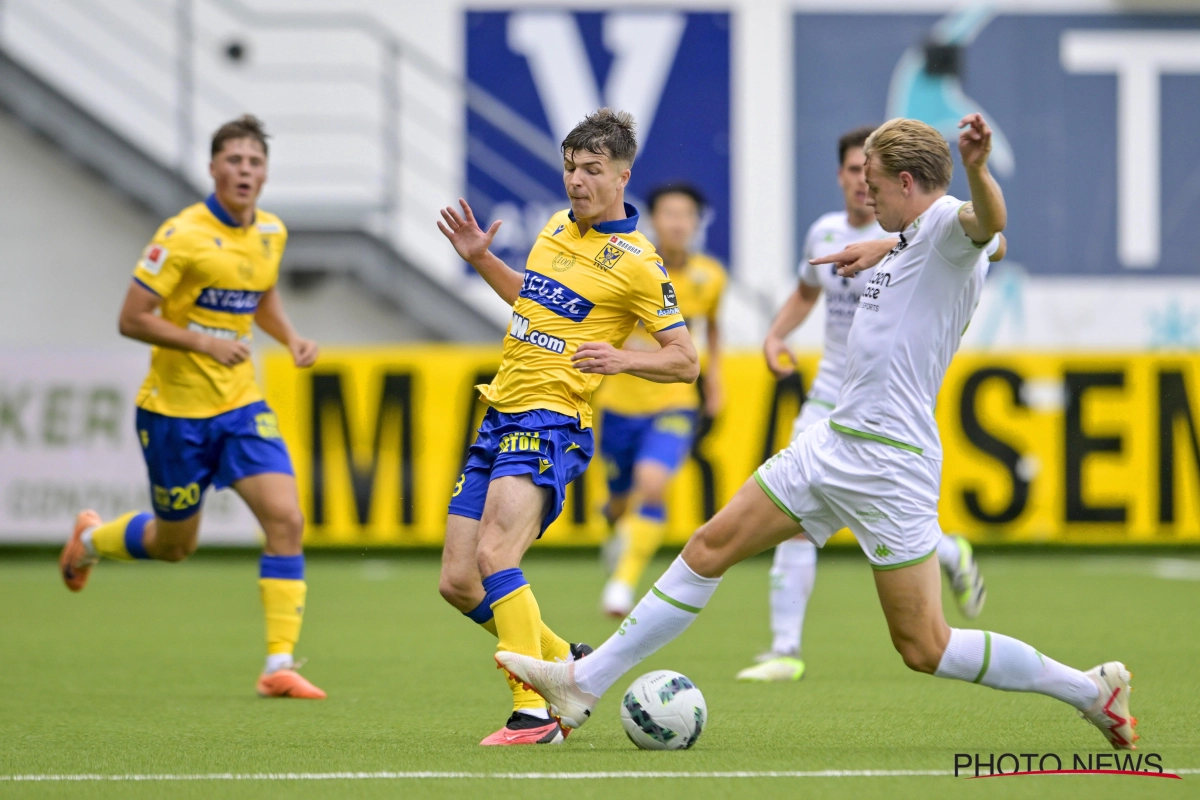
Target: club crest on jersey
point(562, 262)
point(153, 259)
point(519, 330)
point(608, 257)
point(230, 301)
point(554, 296)
point(617, 241)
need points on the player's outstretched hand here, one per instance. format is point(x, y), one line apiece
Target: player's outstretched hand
point(469, 240)
point(780, 358)
point(975, 142)
point(858, 256)
point(226, 352)
point(304, 352)
point(599, 358)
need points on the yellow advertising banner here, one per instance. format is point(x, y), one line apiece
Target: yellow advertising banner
point(1038, 448)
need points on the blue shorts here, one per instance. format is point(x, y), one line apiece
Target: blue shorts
point(624, 441)
point(185, 455)
point(551, 448)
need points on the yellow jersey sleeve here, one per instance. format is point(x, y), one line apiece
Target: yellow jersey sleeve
point(164, 262)
point(652, 297)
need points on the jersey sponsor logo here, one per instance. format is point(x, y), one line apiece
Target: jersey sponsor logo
point(608, 257)
point(230, 301)
point(666, 312)
point(668, 291)
point(153, 259)
point(624, 245)
point(219, 333)
point(269, 227)
point(562, 262)
point(519, 330)
point(552, 295)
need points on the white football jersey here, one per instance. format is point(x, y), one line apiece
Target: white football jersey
point(832, 233)
point(909, 322)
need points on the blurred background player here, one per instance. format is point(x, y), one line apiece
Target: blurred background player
point(588, 281)
point(647, 429)
point(206, 276)
point(794, 569)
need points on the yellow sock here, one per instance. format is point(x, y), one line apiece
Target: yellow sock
point(109, 538)
point(519, 624)
point(646, 530)
point(283, 590)
point(554, 647)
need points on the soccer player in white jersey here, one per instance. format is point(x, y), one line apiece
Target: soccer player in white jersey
point(794, 569)
point(875, 465)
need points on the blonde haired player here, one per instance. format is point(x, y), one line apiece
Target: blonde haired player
point(647, 429)
point(207, 275)
point(794, 569)
point(875, 465)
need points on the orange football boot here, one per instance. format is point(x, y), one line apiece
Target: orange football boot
point(75, 564)
point(287, 683)
point(526, 729)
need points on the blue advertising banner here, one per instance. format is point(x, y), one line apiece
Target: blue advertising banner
point(1095, 117)
point(535, 73)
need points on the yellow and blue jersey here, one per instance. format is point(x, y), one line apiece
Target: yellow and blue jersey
point(699, 285)
point(211, 274)
point(594, 287)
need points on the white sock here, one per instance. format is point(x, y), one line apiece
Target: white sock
point(665, 612)
point(948, 554)
point(540, 713)
point(86, 539)
point(793, 573)
point(1002, 662)
point(277, 662)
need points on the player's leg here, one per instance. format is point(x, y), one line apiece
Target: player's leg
point(620, 437)
point(180, 464)
point(957, 558)
point(662, 450)
point(793, 576)
point(461, 586)
point(911, 597)
point(274, 501)
point(749, 524)
point(642, 533)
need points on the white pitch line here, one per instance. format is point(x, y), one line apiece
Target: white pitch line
point(545, 776)
point(551, 776)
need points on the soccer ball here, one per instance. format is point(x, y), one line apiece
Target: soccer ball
point(663, 710)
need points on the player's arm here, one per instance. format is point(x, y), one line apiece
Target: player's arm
point(795, 310)
point(986, 214)
point(139, 321)
point(1001, 250)
point(271, 317)
point(858, 256)
point(472, 242)
point(675, 361)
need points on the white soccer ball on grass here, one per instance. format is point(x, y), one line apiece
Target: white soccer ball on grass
point(663, 710)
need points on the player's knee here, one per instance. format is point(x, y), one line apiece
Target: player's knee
point(919, 655)
point(175, 552)
point(459, 591)
point(703, 552)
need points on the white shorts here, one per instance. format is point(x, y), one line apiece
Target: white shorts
point(812, 412)
point(886, 496)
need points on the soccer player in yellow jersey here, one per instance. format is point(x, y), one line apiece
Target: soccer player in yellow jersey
point(646, 430)
point(590, 278)
point(207, 275)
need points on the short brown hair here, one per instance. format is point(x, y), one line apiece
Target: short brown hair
point(909, 145)
point(247, 126)
point(605, 132)
point(852, 139)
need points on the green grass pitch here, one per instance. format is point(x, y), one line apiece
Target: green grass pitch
point(151, 670)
